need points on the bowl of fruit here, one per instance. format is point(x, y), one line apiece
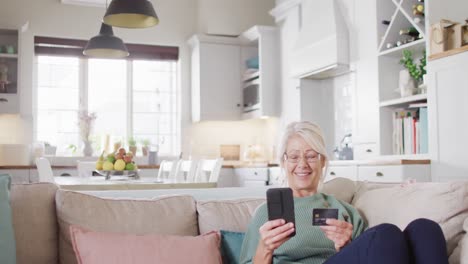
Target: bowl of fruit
point(119, 163)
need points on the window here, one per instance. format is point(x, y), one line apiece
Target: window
point(131, 98)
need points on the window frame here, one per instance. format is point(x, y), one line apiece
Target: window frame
point(83, 97)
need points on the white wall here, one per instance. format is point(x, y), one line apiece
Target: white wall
point(179, 19)
point(228, 17)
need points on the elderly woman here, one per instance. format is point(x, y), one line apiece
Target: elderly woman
point(343, 240)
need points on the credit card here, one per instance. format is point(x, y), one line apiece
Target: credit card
point(320, 215)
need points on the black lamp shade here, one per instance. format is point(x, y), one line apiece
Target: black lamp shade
point(106, 45)
point(131, 14)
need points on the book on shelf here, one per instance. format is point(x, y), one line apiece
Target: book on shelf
point(410, 131)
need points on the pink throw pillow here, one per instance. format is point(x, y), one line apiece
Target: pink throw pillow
point(102, 248)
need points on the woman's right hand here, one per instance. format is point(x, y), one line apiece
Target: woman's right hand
point(273, 234)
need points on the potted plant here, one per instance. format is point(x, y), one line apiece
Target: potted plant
point(132, 145)
point(49, 149)
point(415, 71)
point(145, 143)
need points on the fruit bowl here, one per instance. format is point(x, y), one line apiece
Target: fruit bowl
point(109, 173)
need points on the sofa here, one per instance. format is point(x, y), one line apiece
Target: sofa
point(42, 213)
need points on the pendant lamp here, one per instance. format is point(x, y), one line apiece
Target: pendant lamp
point(106, 45)
point(131, 14)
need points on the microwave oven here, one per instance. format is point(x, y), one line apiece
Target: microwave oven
point(251, 95)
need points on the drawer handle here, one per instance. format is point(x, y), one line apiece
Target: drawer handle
point(4, 100)
point(255, 173)
point(368, 150)
point(332, 173)
point(379, 174)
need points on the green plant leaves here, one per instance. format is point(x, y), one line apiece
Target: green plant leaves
point(416, 71)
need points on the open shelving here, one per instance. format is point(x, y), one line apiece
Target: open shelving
point(400, 15)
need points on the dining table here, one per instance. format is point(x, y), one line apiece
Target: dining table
point(126, 183)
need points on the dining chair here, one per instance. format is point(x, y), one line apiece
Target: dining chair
point(44, 170)
point(85, 168)
point(167, 169)
point(208, 170)
point(186, 170)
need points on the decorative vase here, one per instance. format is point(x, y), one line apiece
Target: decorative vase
point(88, 149)
point(144, 150)
point(406, 83)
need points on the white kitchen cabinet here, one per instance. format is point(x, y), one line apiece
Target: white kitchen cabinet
point(251, 177)
point(263, 42)
point(9, 43)
point(447, 123)
point(348, 172)
point(365, 130)
point(276, 176)
point(17, 175)
point(9, 103)
point(216, 78)
point(394, 173)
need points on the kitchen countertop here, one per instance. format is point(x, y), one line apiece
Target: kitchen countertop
point(378, 161)
point(227, 166)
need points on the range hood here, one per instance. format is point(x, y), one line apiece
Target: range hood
point(322, 47)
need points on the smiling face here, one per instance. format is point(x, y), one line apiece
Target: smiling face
point(303, 166)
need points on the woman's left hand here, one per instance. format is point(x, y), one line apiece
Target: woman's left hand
point(339, 232)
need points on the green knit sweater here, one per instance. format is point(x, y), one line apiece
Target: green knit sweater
point(309, 245)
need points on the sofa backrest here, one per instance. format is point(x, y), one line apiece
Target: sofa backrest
point(35, 223)
point(444, 203)
point(170, 215)
point(42, 215)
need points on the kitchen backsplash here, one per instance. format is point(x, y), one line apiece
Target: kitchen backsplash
point(206, 137)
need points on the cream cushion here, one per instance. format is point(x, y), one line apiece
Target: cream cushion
point(341, 188)
point(444, 203)
point(171, 215)
point(230, 215)
point(35, 224)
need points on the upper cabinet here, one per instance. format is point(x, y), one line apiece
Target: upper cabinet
point(9, 43)
point(261, 72)
point(235, 78)
point(216, 78)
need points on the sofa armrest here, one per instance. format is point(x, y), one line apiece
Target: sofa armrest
point(460, 253)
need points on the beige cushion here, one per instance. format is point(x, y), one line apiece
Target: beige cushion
point(231, 215)
point(445, 203)
point(35, 223)
point(170, 215)
point(341, 188)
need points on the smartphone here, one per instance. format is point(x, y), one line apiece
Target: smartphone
point(280, 205)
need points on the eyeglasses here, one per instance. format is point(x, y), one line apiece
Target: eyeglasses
point(310, 157)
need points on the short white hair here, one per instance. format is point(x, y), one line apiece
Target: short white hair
point(312, 135)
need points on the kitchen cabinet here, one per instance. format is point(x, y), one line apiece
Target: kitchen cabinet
point(448, 94)
point(262, 42)
point(348, 172)
point(9, 43)
point(9, 103)
point(251, 177)
point(391, 173)
point(395, 173)
point(216, 78)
